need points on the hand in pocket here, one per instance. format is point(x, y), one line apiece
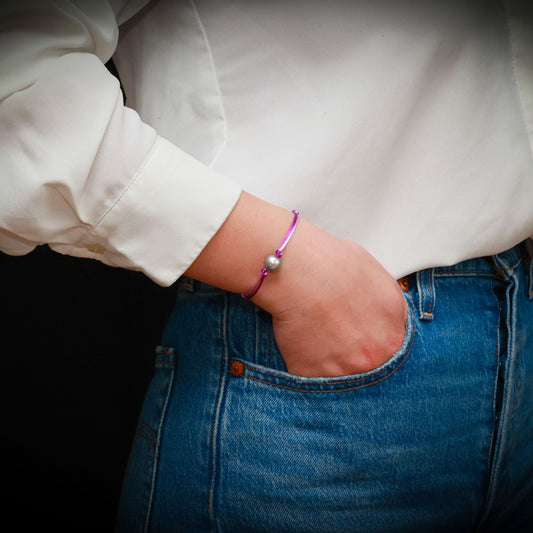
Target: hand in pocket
point(337, 313)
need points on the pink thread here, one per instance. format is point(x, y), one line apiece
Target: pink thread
point(279, 252)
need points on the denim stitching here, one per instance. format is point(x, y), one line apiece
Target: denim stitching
point(450, 273)
point(493, 436)
point(425, 287)
point(424, 279)
point(506, 269)
point(420, 293)
point(411, 344)
point(334, 390)
point(217, 415)
point(432, 296)
point(158, 439)
point(501, 435)
point(151, 437)
point(165, 364)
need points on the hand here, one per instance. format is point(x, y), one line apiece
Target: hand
point(336, 311)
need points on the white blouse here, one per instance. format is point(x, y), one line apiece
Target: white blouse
point(405, 126)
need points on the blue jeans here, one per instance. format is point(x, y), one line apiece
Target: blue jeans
point(439, 438)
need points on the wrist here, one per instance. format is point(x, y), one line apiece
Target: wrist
point(306, 260)
point(273, 262)
point(234, 257)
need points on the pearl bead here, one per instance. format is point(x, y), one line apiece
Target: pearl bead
point(272, 263)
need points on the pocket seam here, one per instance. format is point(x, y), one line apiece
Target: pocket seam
point(339, 387)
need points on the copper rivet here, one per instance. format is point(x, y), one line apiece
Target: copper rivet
point(237, 368)
point(404, 284)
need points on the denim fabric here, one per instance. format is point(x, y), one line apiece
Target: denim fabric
point(439, 438)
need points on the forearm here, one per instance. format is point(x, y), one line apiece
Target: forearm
point(233, 258)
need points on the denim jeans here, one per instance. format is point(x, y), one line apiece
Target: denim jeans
point(439, 438)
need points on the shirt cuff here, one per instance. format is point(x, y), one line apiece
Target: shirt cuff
point(163, 219)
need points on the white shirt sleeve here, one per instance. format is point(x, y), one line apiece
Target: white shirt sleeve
point(80, 171)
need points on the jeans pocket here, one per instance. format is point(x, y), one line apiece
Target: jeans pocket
point(304, 451)
point(274, 372)
point(363, 452)
point(139, 478)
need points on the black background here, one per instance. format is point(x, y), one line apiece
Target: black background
point(77, 355)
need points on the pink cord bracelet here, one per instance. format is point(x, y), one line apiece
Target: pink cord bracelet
point(273, 261)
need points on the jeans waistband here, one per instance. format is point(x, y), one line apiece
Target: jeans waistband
point(499, 264)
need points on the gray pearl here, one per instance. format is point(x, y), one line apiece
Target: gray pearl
point(272, 263)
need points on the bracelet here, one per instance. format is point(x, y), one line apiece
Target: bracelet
point(273, 261)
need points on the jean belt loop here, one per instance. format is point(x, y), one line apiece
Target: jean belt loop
point(426, 294)
point(186, 284)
